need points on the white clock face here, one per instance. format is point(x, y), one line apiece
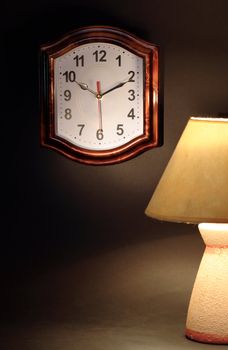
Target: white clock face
point(99, 94)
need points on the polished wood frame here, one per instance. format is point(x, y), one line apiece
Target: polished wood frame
point(153, 131)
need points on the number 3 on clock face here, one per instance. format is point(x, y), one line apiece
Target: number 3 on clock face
point(102, 96)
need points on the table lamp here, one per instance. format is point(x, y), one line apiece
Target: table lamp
point(194, 189)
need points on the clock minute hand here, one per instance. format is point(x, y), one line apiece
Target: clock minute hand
point(115, 87)
point(84, 86)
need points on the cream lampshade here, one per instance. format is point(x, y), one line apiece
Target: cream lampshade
point(194, 189)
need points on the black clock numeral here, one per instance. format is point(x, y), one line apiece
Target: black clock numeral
point(100, 56)
point(100, 134)
point(70, 76)
point(67, 95)
point(132, 95)
point(132, 74)
point(131, 114)
point(79, 60)
point(68, 114)
point(119, 129)
point(118, 58)
point(81, 126)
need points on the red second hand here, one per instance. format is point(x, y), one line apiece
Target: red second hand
point(99, 104)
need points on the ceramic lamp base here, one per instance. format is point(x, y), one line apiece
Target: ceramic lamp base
point(205, 338)
point(207, 319)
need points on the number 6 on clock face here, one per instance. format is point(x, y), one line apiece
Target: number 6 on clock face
point(99, 88)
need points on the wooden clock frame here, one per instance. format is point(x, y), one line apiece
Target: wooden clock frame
point(153, 133)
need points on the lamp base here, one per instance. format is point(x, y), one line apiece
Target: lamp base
point(205, 338)
point(207, 319)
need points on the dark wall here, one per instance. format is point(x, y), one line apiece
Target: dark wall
point(54, 209)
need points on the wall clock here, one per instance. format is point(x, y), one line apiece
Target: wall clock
point(100, 95)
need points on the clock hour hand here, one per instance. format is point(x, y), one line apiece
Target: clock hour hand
point(119, 85)
point(84, 86)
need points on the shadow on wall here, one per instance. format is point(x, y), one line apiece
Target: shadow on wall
point(46, 215)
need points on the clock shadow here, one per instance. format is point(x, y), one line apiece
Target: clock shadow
point(30, 197)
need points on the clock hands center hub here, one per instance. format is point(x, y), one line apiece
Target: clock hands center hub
point(99, 96)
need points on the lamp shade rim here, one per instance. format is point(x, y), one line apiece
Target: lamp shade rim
point(209, 119)
point(185, 219)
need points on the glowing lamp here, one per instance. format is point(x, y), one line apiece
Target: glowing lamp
point(194, 189)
